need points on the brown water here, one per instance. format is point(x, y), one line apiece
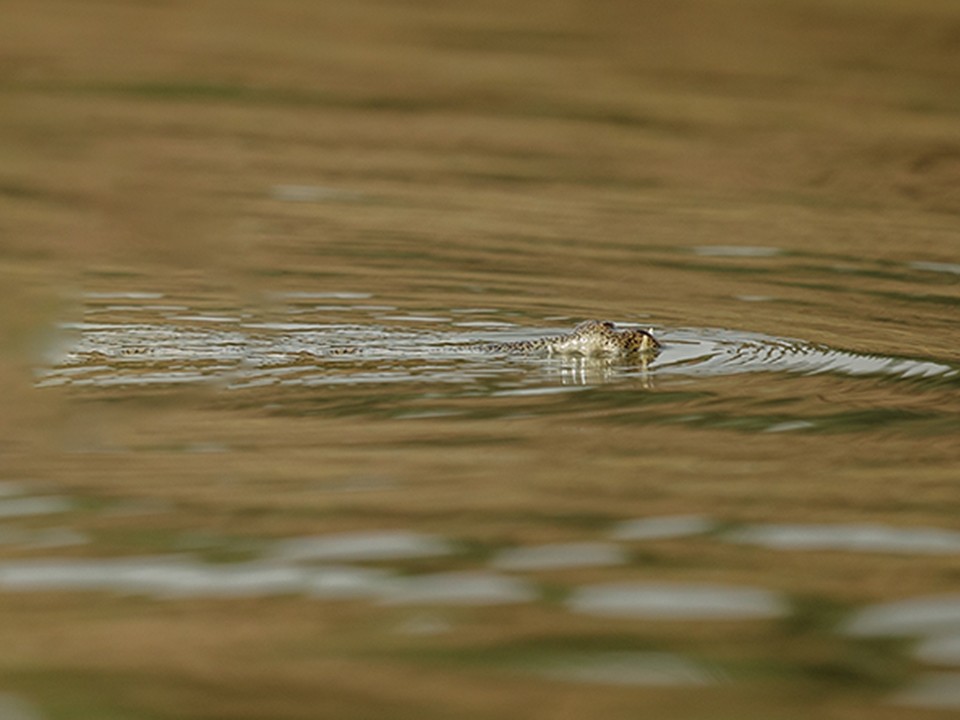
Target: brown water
point(320, 348)
point(253, 465)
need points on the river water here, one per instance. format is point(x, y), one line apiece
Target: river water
point(255, 465)
point(357, 423)
point(320, 346)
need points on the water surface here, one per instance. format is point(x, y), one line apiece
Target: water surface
point(251, 457)
point(323, 348)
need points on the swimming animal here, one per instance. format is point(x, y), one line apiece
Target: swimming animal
point(593, 338)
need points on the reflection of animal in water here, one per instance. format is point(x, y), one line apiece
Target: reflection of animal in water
point(593, 338)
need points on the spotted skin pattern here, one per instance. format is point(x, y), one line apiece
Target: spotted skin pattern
point(593, 338)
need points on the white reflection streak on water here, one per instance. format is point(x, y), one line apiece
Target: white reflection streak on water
point(858, 538)
point(677, 601)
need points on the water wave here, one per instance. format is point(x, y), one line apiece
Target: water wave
point(334, 353)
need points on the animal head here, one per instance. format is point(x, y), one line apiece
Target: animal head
point(600, 337)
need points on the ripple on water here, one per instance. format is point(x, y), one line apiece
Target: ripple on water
point(111, 354)
point(459, 588)
point(42, 538)
point(951, 268)
point(710, 351)
point(13, 707)
point(225, 581)
point(661, 528)
point(857, 538)
point(123, 295)
point(10, 488)
point(26, 506)
point(559, 556)
point(158, 576)
point(943, 650)
point(313, 194)
point(736, 251)
point(346, 583)
point(921, 616)
point(362, 546)
point(629, 668)
point(664, 601)
point(933, 690)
